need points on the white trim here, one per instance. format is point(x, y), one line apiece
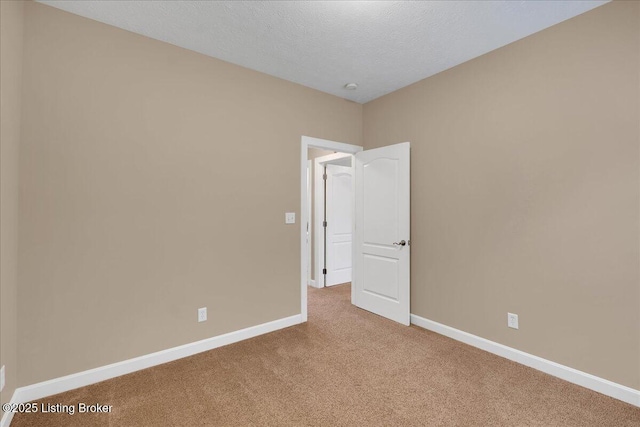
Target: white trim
point(305, 143)
point(92, 376)
point(309, 230)
point(312, 283)
point(333, 159)
point(318, 243)
point(606, 387)
point(318, 172)
point(8, 416)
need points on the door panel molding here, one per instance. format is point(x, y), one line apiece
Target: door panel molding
point(381, 269)
point(339, 207)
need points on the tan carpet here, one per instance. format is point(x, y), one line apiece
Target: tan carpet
point(345, 367)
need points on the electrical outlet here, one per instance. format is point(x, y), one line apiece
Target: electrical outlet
point(512, 320)
point(2, 378)
point(202, 314)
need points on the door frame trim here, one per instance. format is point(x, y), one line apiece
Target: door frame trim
point(309, 232)
point(324, 144)
point(319, 208)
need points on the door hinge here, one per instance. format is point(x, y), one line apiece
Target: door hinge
point(324, 223)
point(324, 271)
point(324, 176)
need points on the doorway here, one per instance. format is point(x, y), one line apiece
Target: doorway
point(333, 219)
point(341, 150)
point(380, 227)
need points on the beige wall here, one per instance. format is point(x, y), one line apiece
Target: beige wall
point(11, 38)
point(151, 177)
point(525, 192)
point(153, 181)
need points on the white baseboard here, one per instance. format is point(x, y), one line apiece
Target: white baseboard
point(92, 376)
point(606, 387)
point(8, 416)
point(315, 284)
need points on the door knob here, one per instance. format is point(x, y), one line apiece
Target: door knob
point(400, 243)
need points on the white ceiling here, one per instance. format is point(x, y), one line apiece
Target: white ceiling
point(380, 45)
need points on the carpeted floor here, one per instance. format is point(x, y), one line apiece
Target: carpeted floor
point(345, 367)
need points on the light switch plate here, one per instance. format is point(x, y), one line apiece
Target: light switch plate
point(290, 218)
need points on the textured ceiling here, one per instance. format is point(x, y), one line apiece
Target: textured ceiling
point(380, 45)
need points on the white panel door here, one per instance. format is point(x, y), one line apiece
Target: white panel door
point(382, 227)
point(339, 205)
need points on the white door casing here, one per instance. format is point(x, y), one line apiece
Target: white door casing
point(381, 264)
point(308, 222)
point(339, 206)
